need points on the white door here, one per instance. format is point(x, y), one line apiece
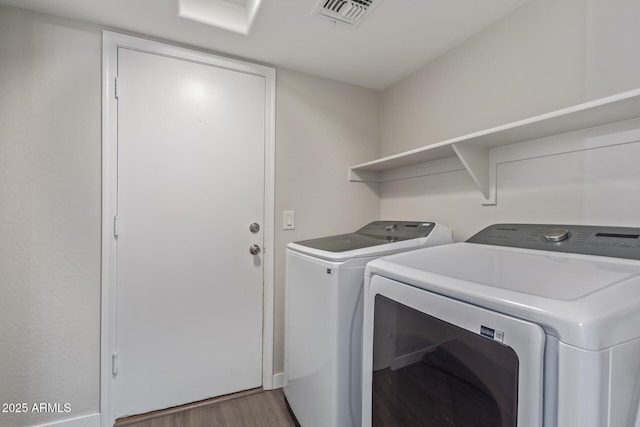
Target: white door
point(190, 182)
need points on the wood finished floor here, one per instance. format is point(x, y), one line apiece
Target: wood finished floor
point(257, 408)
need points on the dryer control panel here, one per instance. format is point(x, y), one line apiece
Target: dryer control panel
point(619, 242)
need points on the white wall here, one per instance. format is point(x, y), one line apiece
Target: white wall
point(49, 214)
point(322, 127)
point(538, 59)
point(613, 37)
point(530, 62)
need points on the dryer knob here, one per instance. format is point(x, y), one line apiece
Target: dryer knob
point(391, 227)
point(555, 235)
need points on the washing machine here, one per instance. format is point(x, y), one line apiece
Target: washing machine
point(521, 325)
point(323, 326)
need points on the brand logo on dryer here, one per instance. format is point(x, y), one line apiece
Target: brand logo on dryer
point(491, 333)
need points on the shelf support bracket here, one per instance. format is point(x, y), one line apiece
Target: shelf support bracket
point(476, 161)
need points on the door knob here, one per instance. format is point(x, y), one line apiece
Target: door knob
point(254, 249)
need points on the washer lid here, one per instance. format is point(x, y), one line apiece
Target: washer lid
point(373, 234)
point(588, 301)
point(343, 242)
point(375, 239)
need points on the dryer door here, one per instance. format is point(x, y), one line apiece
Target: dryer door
point(434, 361)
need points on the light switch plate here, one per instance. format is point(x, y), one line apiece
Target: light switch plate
point(288, 220)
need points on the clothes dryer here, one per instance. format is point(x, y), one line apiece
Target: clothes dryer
point(522, 325)
point(323, 328)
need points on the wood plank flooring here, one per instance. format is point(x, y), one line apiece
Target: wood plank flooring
point(254, 408)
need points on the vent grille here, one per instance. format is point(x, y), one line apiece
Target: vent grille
point(350, 12)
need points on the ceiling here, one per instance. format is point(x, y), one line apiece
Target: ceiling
point(399, 36)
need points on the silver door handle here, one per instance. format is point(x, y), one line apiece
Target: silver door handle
point(254, 249)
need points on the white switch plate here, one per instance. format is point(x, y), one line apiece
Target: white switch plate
point(288, 220)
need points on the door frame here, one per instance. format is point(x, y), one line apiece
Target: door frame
point(110, 43)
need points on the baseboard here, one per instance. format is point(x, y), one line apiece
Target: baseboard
point(278, 380)
point(92, 420)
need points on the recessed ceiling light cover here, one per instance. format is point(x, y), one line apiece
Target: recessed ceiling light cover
point(231, 15)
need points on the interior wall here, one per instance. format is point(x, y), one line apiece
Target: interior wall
point(50, 81)
point(613, 37)
point(530, 62)
point(322, 127)
point(50, 200)
point(538, 59)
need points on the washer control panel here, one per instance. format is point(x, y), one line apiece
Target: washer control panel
point(619, 242)
point(555, 235)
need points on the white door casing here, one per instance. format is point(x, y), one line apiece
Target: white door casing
point(184, 201)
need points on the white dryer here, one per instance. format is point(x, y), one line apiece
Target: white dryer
point(323, 326)
point(522, 325)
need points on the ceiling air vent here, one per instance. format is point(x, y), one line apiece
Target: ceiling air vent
point(350, 12)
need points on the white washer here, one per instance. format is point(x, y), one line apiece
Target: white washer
point(323, 328)
point(527, 325)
